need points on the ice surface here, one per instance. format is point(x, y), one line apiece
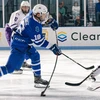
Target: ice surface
point(21, 87)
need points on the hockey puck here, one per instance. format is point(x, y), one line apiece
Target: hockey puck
point(43, 95)
point(93, 66)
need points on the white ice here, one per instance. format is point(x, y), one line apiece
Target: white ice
point(21, 87)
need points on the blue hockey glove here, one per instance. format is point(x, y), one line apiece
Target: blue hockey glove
point(52, 22)
point(55, 49)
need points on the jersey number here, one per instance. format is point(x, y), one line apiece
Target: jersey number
point(37, 37)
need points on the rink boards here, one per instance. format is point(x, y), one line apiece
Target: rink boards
point(68, 37)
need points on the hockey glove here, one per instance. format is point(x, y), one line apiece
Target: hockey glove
point(55, 49)
point(53, 24)
point(8, 33)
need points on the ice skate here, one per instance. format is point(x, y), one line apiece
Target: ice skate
point(20, 71)
point(39, 82)
point(26, 65)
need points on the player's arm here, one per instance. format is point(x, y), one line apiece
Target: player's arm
point(12, 26)
point(13, 22)
point(44, 43)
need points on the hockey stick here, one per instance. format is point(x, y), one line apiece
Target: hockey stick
point(87, 68)
point(77, 84)
point(42, 93)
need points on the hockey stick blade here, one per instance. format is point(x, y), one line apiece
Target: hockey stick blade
point(77, 84)
point(87, 68)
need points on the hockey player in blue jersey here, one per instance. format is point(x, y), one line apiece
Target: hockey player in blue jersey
point(12, 26)
point(28, 33)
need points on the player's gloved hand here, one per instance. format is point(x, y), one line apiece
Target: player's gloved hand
point(52, 22)
point(8, 33)
point(8, 29)
point(55, 49)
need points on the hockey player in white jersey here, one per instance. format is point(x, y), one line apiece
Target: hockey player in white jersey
point(28, 33)
point(14, 22)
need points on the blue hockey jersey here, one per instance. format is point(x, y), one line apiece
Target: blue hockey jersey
point(29, 32)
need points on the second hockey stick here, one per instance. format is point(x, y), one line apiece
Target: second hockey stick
point(42, 93)
point(87, 68)
point(77, 84)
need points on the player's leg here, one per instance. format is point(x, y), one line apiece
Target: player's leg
point(36, 66)
point(24, 65)
point(8, 34)
point(18, 69)
point(15, 60)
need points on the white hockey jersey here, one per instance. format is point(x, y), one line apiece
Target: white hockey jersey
point(16, 18)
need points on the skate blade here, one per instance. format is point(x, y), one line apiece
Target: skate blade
point(17, 72)
point(26, 69)
point(40, 86)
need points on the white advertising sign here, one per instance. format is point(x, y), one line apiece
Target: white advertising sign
point(3, 41)
point(67, 37)
point(76, 37)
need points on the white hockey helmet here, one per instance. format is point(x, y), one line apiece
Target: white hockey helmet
point(25, 3)
point(40, 8)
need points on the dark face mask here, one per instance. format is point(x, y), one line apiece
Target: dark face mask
point(25, 12)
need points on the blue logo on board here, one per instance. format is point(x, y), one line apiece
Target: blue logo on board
point(62, 36)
